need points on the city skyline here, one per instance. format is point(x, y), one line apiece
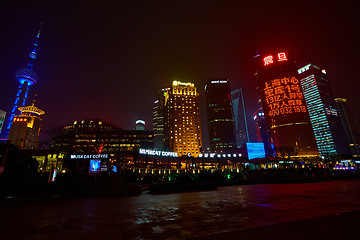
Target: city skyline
point(92, 60)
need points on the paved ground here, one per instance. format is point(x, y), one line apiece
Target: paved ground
point(326, 210)
point(335, 226)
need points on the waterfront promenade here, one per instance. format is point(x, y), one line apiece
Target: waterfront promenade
point(264, 211)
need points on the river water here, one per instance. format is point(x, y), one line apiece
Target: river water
point(180, 215)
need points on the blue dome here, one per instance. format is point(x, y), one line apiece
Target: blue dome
point(26, 75)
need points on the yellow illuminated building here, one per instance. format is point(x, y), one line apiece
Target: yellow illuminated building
point(182, 130)
point(25, 129)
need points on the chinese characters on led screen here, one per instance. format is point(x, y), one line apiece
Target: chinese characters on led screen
point(283, 96)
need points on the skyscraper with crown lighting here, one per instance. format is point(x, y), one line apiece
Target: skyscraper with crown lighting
point(26, 77)
point(220, 116)
point(286, 115)
point(177, 118)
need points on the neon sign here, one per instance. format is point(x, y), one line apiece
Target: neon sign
point(157, 153)
point(282, 57)
point(97, 156)
point(331, 111)
point(206, 155)
point(283, 96)
point(219, 81)
point(270, 59)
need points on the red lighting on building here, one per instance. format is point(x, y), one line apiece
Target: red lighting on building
point(283, 96)
point(282, 57)
point(268, 60)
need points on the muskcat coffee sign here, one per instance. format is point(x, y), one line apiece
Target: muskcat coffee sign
point(85, 156)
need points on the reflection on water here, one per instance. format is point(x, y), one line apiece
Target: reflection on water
point(181, 215)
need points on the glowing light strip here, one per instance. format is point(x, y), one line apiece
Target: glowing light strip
point(140, 121)
point(31, 109)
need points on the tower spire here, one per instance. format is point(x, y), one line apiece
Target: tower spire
point(26, 77)
point(32, 54)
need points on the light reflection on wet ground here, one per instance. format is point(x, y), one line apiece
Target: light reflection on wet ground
point(178, 216)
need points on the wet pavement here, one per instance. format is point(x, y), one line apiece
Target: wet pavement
point(231, 211)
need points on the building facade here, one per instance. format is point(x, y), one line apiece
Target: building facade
point(159, 119)
point(220, 116)
point(286, 115)
point(349, 125)
point(25, 129)
point(182, 120)
point(261, 131)
point(178, 111)
point(240, 122)
point(324, 117)
point(95, 137)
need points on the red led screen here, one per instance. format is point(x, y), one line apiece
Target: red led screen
point(283, 96)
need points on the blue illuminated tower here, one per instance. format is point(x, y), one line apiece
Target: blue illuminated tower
point(26, 77)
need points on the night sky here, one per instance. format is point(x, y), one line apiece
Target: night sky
point(108, 60)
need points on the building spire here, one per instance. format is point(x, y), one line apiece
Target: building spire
point(26, 77)
point(32, 54)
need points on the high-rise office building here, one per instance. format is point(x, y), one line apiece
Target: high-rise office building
point(261, 131)
point(2, 118)
point(180, 108)
point(220, 116)
point(240, 122)
point(286, 115)
point(140, 125)
point(26, 77)
point(349, 125)
point(24, 132)
point(159, 120)
point(324, 118)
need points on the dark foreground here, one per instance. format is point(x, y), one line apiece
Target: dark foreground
point(321, 210)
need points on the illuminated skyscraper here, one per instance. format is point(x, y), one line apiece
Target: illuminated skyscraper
point(180, 108)
point(24, 132)
point(349, 125)
point(240, 122)
point(220, 116)
point(261, 131)
point(26, 77)
point(286, 115)
point(324, 117)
